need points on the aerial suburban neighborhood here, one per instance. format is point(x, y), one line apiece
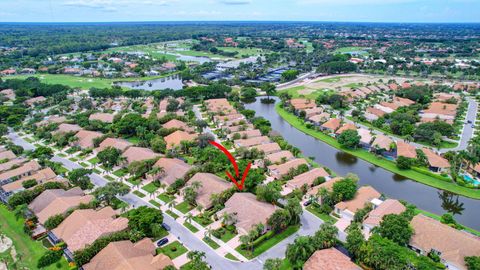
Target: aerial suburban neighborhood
point(247, 144)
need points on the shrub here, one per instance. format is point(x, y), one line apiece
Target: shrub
point(50, 257)
point(29, 183)
point(53, 221)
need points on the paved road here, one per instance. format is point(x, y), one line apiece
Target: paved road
point(207, 129)
point(19, 141)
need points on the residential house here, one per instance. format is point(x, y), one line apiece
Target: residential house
point(40, 176)
point(116, 143)
point(67, 128)
point(84, 226)
point(436, 163)
point(373, 113)
point(331, 125)
point(35, 100)
point(347, 209)
point(319, 119)
point(12, 163)
point(8, 93)
point(7, 155)
point(246, 126)
point(210, 184)
point(135, 153)
point(246, 134)
point(279, 157)
point(26, 169)
point(406, 150)
point(365, 138)
point(373, 219)
point(173, 169)
point(125, 255)
point(249, 212)
point(383, 145)
point(329, 259)
point(345, 127)
point(251, 141)
point(278, 171)
point(85, 138)
point(328, 185)
point(450, 244)
point(102, 117)
point(174, 123)
point(313, 111)
point(307, 178)
point(52, 202)
point(177, 137)
point(267, 148)
point(302, 104)
point(54, 119)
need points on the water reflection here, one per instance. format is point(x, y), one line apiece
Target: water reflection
point(172, 82)
point(399, 178)
point(451, 202)
point(346, 158)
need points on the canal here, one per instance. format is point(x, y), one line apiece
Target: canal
point(465, 210)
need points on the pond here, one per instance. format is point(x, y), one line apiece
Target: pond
point(465, 210)
point(172, 82)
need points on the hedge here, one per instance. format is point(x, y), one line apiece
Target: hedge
point(83, 256)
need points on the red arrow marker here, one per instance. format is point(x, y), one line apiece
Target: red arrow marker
point(235, 166)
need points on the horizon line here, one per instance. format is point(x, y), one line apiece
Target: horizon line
point(238, 21)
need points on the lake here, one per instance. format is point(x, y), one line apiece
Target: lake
point(465, 210)
point(172, 82)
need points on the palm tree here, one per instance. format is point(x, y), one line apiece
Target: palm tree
point(21, 211)
point(189, 217)
point(208, 232)
point(227, 218)
point(171, 204)
point(196, 185)
point(199, 209)
point(245, 240)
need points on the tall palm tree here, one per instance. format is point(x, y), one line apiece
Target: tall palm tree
point(171, 204)
point(189, 217)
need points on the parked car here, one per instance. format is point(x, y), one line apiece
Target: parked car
point(166, 227)
point(473, 126)
point(162, 242)
point(307, 203)
point(469, 121)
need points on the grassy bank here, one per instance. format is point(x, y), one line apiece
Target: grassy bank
point(28, 250)
point(381, 162)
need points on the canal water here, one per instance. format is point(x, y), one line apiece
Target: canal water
point(172, 82)
point(465, 210)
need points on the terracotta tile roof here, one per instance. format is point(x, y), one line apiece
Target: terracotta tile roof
point(138, 153)
point(302, 103)
point(376, 111)
point(86, 137)
point(249, 212)
point(176, 137)
point(313, 111)
point(102, 117)
point(7, 155)
point(57, 201)
point(66, 128)
point(382, 142)
point(278, 156)
point(211, 184)
point(8, 165)
point(364, 195)
point(442, 97)
point(365, 135)
point(453, 244)
point(248, 133)
point(307, 178)
point(35, 100)
point(332, 124)
point(174, 169)
point(8, 93)
point(406, 150)
point(52, 119)
point(319, 118)
point(267, 148)
point(84, 226)
point(442, 108)
point(119, 144)
point(435, 160)
point(228, 117)
point(390, 105)
point(125, 255)
point(251, 141)
point(329, 259)
point(403, 101)
point(174, 123)
point(219, 105)
point(345, 127)
point(327, 185)
point(40, 176)
point(280, 170)
point(240, 127)
point(389, 206)
point(26, 169)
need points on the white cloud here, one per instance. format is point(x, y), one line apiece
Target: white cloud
point(236, 2)
point(356, 2)
point(113, 5)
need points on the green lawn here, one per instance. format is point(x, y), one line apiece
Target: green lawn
point(231, 257)
point(350, 49)
point(173, 250)
point(83, 164)
point(61, 155)
point(183, 207)
point(244, 51)
point(165, 198)
point(134, 181)
point(227, 236)
point(73, 159)
point(312, 209)
point(190, 227)
point(29, 250)
point(203, 221)
point(139, 194)
point(150, 188)
point(154, 203)
point(381, 162)
point(211, 243)
point(172, 214)
point(109, 178)
point(121, 172)
point(267, 244)
point(94, 160)
point(97, 171)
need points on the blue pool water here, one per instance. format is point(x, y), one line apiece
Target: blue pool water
point(471, 180)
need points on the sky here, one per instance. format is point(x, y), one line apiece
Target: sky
point(234, 10)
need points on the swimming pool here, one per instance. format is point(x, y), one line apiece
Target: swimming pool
point(469, 179)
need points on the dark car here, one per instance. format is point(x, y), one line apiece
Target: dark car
point(469, 121)
point(162, 242)
point(307, 203)
point(166, 227)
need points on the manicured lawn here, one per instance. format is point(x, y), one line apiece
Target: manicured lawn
point(267, 244)
point(139, 194)
point(94, 160)
point(173, 250)
point(109, 178)
point(154, 203)
point(183, 207)
point(190, 227)
point(121, 172)
point(134, 140)
point(381, 162)
point(227, 236)
point(150, 188)
point(134, 181)
point(312, 209)
point(28, 140)
point(166, 198)
point(30, 250)
point(61, 155)
point(83, 164)
point(73, 159)
point(211, 243)
point(172, 214)
point(97, 171)
point(231, 257)
point(203, 221)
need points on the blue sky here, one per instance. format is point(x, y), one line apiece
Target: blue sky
point(278, 10)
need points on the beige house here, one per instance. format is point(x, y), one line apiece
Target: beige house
point(247, 211)
point(11, 163)
point(40, 176)
point(26, 169)
point(84, 226)
point(331, 125)
point(251, 141)
point(278, 171)
point(329, 259)
point(279, 157)
point(85, 138)
point(347, 209)
point(7, 155)
point(174, 123)
point(267, 148)
point(406, 150)
point(436, 162)
point(174, 169)
point(210, 184)
point(102, 117)
point(66, 128)
point(119, 144)
point(375, 216)
point(177, 137)
point(135, 153)
point(307, 178)
point(246, 134)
